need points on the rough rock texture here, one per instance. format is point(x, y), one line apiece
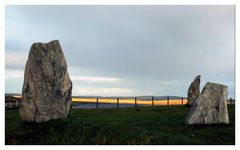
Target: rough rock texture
point(47, 88)
point(193, 90)
point(211, 106)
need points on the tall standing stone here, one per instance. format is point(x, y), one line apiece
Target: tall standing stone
point(193, 90)
point(211, 106)
point(47, 88)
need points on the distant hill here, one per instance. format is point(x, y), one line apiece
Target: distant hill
point(12, 94)
point(160, 97)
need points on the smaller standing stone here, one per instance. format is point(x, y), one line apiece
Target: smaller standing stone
point(210, 107)
point(193, 90)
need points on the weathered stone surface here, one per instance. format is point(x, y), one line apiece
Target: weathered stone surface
point(47, 88)
point(211, 106)
point(193, 90)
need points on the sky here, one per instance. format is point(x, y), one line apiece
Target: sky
point(126, 50)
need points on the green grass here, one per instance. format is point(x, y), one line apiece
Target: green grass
point(144, 125)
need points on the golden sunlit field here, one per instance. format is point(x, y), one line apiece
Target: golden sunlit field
point(130, 101)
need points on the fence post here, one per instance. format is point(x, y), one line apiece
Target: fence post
point(182, 100)
point(117, 102)
point(168, 101)
point(135, 101)
point(97, 104)
point(152, 101)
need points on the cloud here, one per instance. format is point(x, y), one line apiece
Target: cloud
point(153, 49)
point(95, 79)
point(104, 91)
point(13, 80)
point(15, 60)
point(14, 74)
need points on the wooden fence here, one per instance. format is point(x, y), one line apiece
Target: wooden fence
point(15, 104)
point(154, 101)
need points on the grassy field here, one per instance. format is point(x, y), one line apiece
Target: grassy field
point(142, 125)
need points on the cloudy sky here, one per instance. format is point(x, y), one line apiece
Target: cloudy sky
point(126, 50)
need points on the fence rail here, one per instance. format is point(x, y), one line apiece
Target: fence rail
point(101, 102)
point(134, 102)
point(116, 102)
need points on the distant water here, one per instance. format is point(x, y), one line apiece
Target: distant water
point(102, 105)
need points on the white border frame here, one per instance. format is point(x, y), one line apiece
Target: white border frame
point(115, 2)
